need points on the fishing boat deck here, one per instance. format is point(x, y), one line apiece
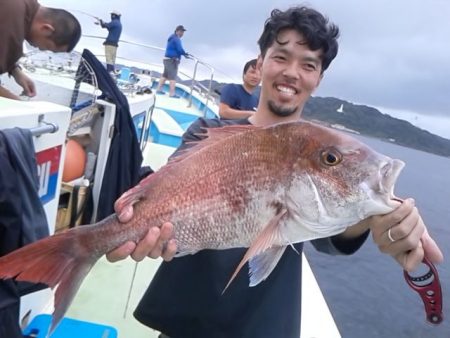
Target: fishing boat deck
point(176, 104)
point(108, 304)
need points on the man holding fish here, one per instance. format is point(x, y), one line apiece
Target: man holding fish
point(185, 298)
point(267, 183)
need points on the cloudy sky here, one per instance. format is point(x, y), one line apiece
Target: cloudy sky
point(393, 55)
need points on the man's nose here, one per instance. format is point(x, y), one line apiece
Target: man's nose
point(291, 70)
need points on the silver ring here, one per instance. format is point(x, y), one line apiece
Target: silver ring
point(390, 236)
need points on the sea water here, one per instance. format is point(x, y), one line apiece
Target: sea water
point(366, 292)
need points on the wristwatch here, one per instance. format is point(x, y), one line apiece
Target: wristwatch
point(14, 68)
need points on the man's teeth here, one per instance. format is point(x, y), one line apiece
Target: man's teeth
point(286, 90)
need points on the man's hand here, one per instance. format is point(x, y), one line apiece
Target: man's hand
point(156, 243)
point(403, 235)
point(24, 81)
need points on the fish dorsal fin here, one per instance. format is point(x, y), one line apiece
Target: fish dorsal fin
point(212, 136)
point(264, 241)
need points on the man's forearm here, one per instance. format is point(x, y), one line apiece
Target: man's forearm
point(6, 93)
point(352, 238)
point(356, 230)
point(230, 113)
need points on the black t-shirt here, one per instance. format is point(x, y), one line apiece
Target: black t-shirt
point(185, 300)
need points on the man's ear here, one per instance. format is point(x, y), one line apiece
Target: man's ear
point(319, 80)
point(259, 62)
point(47, 29)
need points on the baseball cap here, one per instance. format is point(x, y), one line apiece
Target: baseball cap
point(180, 28)
point(116, 13)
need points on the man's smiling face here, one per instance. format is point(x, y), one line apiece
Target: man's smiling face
point(290, 71)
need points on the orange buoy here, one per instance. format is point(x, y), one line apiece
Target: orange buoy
point(74, 162)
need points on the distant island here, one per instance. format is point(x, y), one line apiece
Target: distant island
point(365, 120)
point(356, 118)
point(371, 122)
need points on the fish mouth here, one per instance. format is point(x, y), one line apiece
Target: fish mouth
point(390, 172)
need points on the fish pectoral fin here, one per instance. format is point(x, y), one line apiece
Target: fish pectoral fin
point(263, 242)
point(262, 265)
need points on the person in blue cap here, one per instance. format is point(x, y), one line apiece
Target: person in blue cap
point(111, 43)
point(172, 57)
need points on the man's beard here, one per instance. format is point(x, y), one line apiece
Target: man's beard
point(281, 111)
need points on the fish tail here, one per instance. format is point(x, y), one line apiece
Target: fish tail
point(59, 261)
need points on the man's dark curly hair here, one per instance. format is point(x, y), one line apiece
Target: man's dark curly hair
point(318, 32)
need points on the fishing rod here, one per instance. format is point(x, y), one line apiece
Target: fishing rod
point(85, 13)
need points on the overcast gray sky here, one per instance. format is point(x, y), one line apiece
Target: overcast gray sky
point(393, 55)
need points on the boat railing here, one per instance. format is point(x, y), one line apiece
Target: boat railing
point(134, 57)
point(199, 86)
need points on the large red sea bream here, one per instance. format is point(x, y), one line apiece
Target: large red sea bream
point(257, 187)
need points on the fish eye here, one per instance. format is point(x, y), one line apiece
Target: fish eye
point(331, 157)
